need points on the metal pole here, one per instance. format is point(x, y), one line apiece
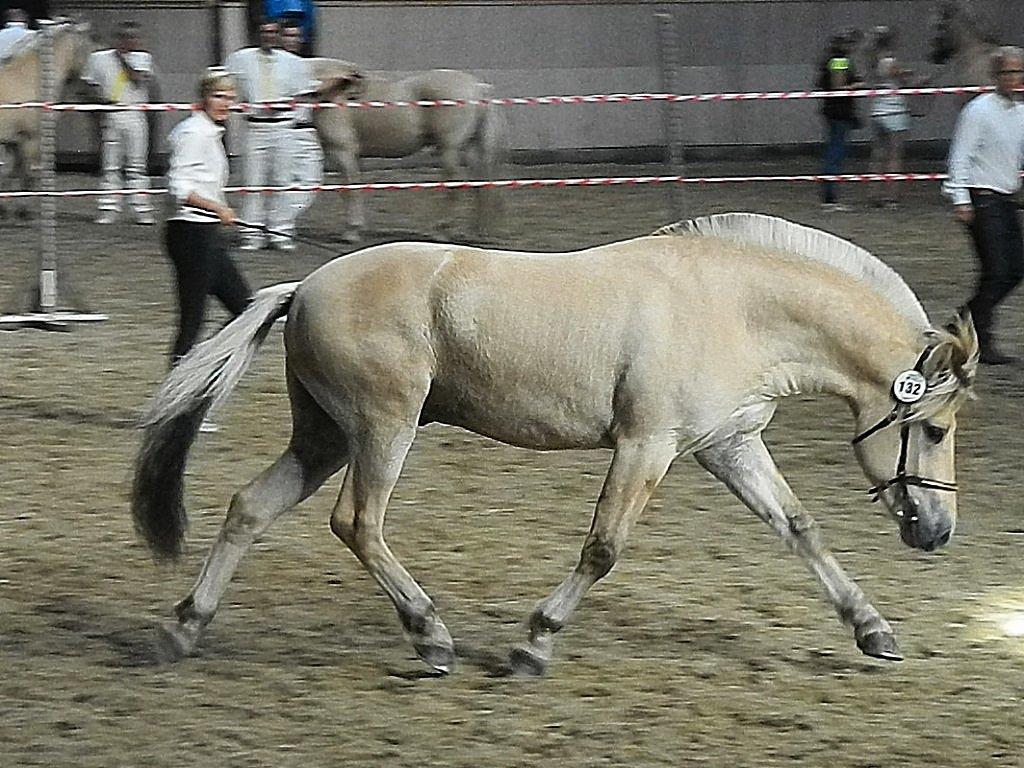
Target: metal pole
point(668, 60)
point(45, 311)
point(47, 176)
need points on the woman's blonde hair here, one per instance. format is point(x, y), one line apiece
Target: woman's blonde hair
point(215, 79)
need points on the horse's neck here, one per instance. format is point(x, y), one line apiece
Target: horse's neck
point(63, 54)
point(376, 87)
point(841, 340)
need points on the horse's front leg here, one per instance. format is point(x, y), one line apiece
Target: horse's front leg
point(637, 467)
point(346, 158)
point(744, 465)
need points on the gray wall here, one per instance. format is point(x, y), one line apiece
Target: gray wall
point(541, 48)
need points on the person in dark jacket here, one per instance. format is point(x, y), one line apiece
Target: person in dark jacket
point(837, 73)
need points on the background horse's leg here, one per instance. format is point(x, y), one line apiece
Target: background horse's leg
point(637, 468)
point(749, 471)
point(358, 520)
point(452, 169)
point(317, 451)
point(490, 141)
point(347, 159)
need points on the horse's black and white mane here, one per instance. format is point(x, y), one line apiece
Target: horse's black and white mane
point(782, 235)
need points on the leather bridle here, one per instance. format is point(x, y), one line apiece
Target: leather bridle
point(901, 480)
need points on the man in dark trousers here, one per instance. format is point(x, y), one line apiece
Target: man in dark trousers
point(985, 159)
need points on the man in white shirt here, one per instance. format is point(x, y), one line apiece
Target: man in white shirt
point(985, 159)
point(15, 33)
point(307, 155)
point(123, 75)
point(268, 74)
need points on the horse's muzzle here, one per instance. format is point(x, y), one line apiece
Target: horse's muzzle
point(925, 537)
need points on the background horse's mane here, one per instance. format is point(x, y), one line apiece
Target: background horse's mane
point(781, 235)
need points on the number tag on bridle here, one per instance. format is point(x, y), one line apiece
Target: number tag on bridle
point(909, 387)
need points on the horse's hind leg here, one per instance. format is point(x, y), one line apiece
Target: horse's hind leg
point(637, 467)
point(452, 169)
point(316, 451)
point(358, 520)
point(749, 471)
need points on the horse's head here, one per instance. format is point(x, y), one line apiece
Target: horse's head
point(955, 26)
point(339, 80)
point(908, 452)
point(72, 44)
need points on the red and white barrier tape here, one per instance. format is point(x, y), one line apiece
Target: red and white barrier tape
point(530, 101)
point(600, 181)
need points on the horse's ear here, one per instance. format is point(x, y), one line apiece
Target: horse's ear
point(963, 345)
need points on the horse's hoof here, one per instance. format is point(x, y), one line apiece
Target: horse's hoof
point(174, 643)
point(526, 663)
point(880, 645)
point(439, 657)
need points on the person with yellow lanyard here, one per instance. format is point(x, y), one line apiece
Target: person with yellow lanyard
point(123, 75)
point(837, 73)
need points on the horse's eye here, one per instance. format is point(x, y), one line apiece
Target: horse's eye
point(934, 434)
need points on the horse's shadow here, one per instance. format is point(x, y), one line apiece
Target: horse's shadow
point(79, 628)
point(32, 408)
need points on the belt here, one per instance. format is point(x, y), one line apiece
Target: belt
point(254, 119)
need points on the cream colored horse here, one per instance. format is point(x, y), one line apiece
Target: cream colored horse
point(466, 138)
point(21, 80)
point(680, 343)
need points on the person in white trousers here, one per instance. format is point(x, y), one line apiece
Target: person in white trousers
point(268, 74)
point(307, 155)
point(123, 75)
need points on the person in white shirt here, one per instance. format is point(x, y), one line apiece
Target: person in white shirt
point(15, 34)
point(985, 160)
point(196, 178)
point(307, 155)
point(890, 117)
point(123, 75)
point(268, 74)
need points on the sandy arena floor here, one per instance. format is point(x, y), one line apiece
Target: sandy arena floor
point(708, 644)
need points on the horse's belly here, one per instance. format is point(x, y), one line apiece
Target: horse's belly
point(386, 135)
point(540, 422)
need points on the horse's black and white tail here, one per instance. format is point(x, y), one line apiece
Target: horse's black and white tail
point(201, 381)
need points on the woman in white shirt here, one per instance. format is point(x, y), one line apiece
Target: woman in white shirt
point(195, 243)
point(890, 117)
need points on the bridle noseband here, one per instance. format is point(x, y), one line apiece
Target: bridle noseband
point(908, 388)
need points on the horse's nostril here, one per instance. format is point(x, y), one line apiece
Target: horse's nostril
point(944, 538)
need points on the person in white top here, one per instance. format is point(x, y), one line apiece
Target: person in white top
point(268, 74)
point(985, 160)
point(890, 117)
point(123, 75)
point(15, 34)
point(196, 178)
point(307, 155)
